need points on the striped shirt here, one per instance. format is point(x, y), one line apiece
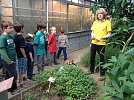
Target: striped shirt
point(63, 41)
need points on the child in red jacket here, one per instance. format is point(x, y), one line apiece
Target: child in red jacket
point(52, 45)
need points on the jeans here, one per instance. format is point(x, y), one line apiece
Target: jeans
point(64, 52)
point(22, 65)
point(30, 66)
point(100, 49)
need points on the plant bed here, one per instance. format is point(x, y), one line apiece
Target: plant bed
point(70, 83)
point(36, 94)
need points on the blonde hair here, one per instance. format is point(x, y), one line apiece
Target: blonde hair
point(51, 29)
point(102, 11)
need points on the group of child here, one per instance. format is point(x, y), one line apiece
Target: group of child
point(22, 48)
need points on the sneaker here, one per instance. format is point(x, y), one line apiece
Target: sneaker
point(101, 78)
point(15, 91)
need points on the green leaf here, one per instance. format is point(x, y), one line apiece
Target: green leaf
point(107, 98)
point(123, 88)
point(129, 84)
point(107, 88)
point(130, 52)
point(131, 28)
point(114, 70)
point(114, 80)
point(102, 96)
point(132, 76)
point(114, 58)
point(130, 68)
point(122, 78)
point(120, 95)
point(107, 65)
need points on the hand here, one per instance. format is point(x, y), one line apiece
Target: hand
point(98, 39)
point(12, 62)
point(92, 37)
point(68, 47)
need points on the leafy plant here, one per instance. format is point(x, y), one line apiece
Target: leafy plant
point(70, 82)
point(116, 8)
point(111, 49)
point(120, 75)
point(29, 96)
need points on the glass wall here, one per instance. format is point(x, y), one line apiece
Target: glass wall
point(29, 12)
point(87, 17)
point(6, 10)
point(57, 14)
point(72, 18)
point(79, 18)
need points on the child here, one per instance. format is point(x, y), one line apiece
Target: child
point(20, 49)
point(63, 43)
point(30, 56)
point(39, 41)
point(8, 53)
point(52, 45)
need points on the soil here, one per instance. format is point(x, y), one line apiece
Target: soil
point(41, 95)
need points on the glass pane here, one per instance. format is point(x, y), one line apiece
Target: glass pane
point(50, 5)
point(6, 11)
point(24, 3)
point(44, 4)
point(57, 21)
point(37, 13)
point(63, 7)
point(56, 6)
point(81, 1)
point(75, 1)
point(32, 26)
point(92, 4)
point(7, 18)
point(6, 3)
point(74, 18)
point(87, 19)
point(88, 3)
point(24, 12)
point(37, 4)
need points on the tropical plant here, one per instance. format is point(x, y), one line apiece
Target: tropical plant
point(120, 74)
point(116, 8)
point(111, 49)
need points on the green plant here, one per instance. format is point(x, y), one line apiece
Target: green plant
point(111, 49)
point(120, 75)
point(29, 96)
point(116, 8)
point(70, 82)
